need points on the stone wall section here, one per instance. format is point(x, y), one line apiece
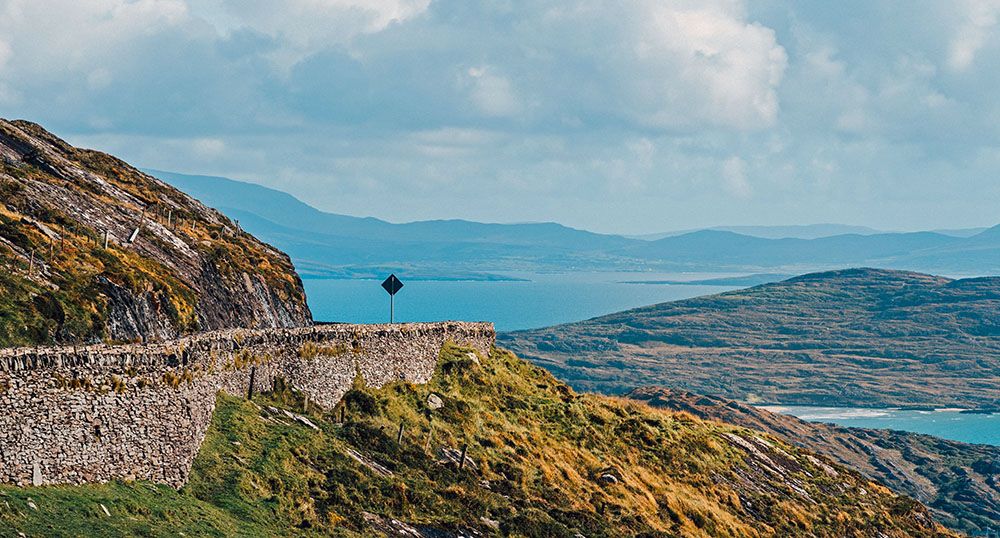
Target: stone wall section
point(97, 413)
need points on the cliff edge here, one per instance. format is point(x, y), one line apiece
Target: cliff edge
point(92, 249)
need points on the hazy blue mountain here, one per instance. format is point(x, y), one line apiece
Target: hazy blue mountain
point(333, 245)
point(991, 235)
point(726, 248)
point(738, 281)
point(804, 231)
point(286, 210)
point(961, 232)
point(976, 255)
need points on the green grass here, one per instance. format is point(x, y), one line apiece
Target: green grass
point(136, 509)
point(539, 451)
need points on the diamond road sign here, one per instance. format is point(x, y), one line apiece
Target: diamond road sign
point(392, 285)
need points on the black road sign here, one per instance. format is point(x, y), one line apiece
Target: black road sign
point(392, 285)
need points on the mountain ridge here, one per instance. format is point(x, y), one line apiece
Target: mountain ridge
point(854, 338)
point(490, 247)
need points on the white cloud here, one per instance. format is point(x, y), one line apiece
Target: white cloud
point(647, 104)
point(823, 87)
point(99, 78)
point(83, 35)
point(208, 147)
point(728, 68)
point(660, 64)
point(979, 21)
point(734, 175)
point(303, 27)
point(7, 95)
point(492, 93)
point(4, 53)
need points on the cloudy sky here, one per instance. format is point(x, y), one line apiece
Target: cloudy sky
point(617, 116)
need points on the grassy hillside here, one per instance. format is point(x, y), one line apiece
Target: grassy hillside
point(542, 461)
point(958, 481)
point(858, 337)
point(171, 264)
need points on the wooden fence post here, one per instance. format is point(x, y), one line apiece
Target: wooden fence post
point(253, 374)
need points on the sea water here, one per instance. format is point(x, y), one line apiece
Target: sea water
point(945, 423)
point(542, 300)
point(539, 300)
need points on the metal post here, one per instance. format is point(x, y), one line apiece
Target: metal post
point(399, 436)
point(461, 463)
point(31, 263)
point(392, 308)
point(253, 374)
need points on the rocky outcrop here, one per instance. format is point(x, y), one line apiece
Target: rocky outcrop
point(958, 481)
point(95, 250)
point(98, 413)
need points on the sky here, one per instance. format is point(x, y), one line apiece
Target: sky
point(616, 116)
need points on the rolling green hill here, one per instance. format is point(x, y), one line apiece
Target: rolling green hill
point(858, 337)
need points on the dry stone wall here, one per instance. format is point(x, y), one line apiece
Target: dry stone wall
point(98, 413)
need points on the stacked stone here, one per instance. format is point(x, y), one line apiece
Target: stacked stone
point(97, 413)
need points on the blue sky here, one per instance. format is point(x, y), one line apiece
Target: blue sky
point(624, 117)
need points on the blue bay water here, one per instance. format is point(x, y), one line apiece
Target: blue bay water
point(550, 299)
point(542, 300)
point(949, 424)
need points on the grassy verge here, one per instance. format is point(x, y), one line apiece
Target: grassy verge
point(543, 461)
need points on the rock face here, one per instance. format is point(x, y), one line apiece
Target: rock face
point(98, 413)
point(171, 265)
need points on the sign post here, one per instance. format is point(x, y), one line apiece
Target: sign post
point(392, 285)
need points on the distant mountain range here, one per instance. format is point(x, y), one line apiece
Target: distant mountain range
point(803, 231)
point(331, 245)
point(924, 251)
point(341, 246)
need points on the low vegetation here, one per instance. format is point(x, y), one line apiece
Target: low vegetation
point(189, 268)
point(854, 338)
point(959, 482)
point(542, 460)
